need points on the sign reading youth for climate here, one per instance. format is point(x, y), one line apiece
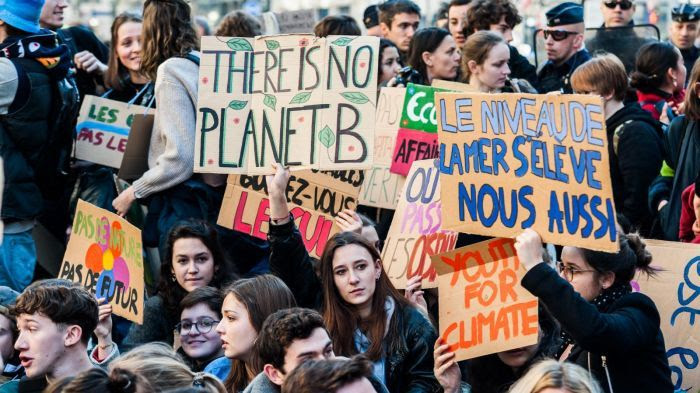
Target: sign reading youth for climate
point(514, 161)
point(104, 255)
point(483, 307)
point(103, 130)
point(298, 100)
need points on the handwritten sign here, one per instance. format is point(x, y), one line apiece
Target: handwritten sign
point(416, 232)
point(315, 199)
point(483, 307)
point(514, 161)
point(417, 137)
point(298, 100)
point(103, 130)
point(381, 188)
point(302, 21)
point(676, 292)
point(105, 255)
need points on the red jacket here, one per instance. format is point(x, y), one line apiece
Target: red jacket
point(649, 100)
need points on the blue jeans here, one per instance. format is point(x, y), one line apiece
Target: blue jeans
point(17, 260)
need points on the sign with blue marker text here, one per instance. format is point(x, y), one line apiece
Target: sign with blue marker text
point(675, 290)
point(298, 100)
point(515, 161)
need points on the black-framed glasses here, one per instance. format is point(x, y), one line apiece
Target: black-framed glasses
point(624, 4)
point(568, 272)
point(203, 325)
point(558, 35)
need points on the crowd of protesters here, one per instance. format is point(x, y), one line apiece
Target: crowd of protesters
point(230, 313)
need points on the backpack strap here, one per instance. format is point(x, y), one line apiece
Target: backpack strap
point(23, 88)
point(192, 58)
point(617, 134)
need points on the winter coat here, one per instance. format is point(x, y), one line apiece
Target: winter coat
point(626, 339)
point(636, 154)
point(409, 368)
point(157, 325)
point(653, 102)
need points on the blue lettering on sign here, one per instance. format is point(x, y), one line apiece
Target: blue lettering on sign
point(687, 357)
point(695, 293)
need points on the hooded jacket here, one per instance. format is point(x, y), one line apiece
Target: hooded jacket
point(636, 154)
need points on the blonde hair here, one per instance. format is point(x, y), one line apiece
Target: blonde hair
point(604, 74)
point(556, 375)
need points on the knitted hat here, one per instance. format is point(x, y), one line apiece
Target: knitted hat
point(22, 14)
point(371, 16)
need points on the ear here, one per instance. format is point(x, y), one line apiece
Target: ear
point(72, 335)
point(384, 28)
point(578, 41)
point(378, 268)
point(606, 280)
point(473, 67)
point(671, 73)
point(427, 58)
point(274, 375)
point(608, 96)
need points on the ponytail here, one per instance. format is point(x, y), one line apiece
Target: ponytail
point(633, 255)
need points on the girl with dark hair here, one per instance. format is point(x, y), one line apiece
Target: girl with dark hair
point(200, 344)
point(362, 310)
point(247, 303)
point(659, 78)
point(433, 54)
point(389, 61)
point(337, 25)
point(193, 259)
point(495, 373)
point(606, 328)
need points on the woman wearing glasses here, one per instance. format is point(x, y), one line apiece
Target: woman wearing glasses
point(606, 328)
point(193, 259)
point(200, 344)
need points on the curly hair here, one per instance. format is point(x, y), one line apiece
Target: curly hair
point(168, 31)
point(239, 24)
point(484, 13)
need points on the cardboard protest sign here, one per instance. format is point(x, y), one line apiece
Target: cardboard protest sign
point(135, 160)
point(483, 307)
point(416, 232)
point(514, 161)
point(105, 255)
point(103, 130)
point(676, 292)
point(314, 198)
point(302, 21)
point(417, 137)
point(381, 188)
point(298, 100)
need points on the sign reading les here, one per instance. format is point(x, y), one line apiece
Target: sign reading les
point(416, 232)
point(675, 290)
point(315, 198)
point(104, 255)
point(483, 307)
point(103, 130)
point(381, 187)
point(298, 100)
point(514, 161)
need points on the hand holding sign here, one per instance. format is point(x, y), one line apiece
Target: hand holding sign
point(528, 246)
point(446, 370)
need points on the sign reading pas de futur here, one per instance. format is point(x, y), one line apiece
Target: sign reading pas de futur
point(299, 100)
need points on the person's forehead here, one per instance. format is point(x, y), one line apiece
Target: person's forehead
point(36, 317)
point(457, 10)
point(406, 17)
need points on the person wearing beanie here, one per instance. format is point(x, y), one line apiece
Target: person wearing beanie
point(31, 66)
point(371, 20)
point(689, 230)
point(564, 44)
point(683, 31)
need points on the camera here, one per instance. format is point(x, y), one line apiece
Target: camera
point(408, 75)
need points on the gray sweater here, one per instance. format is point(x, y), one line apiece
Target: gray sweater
point(171, 154)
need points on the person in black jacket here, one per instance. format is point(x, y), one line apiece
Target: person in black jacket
point(634, 138)
point(606, 328)
point(362, 310)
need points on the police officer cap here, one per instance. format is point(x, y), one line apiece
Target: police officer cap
point(685, 13)
point(565, 14)
point(371, 16)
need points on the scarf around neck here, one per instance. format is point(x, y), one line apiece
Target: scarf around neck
point(42, 47)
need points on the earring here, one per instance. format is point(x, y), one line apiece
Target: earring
point(675, 82)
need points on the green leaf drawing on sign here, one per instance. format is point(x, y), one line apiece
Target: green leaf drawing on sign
point(272, 44)
point(326, 137)
point(342, 41)
point(239, 44)
point(301, 98)
point(237, 105)
point(270, 101)
point(355, 98)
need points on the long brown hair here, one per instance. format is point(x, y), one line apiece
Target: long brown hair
point(116, 75)
point(477, 48)
point(167, 32)
point(692, 101)
point(342, 318)
point(261, 296)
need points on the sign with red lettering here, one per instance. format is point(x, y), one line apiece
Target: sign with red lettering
point(104, 254)
point(483, 307)
point(416, 231)
point(314, 197)
point(103, 130)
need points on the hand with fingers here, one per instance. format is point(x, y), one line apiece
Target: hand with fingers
point(277, 192)
point(122, 203)
point(349, 221)
point(87, 62)
point(446, 369)
point(103, 330)
point(414, 293)
point(528, 246)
